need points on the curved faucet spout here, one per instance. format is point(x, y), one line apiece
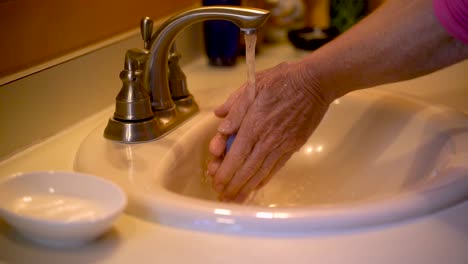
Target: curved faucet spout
point(156, 79)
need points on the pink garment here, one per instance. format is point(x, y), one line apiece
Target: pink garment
point(453, 15)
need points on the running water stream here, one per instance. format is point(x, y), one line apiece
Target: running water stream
point(250, 42)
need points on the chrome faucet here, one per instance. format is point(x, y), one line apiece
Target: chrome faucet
point(145, 109)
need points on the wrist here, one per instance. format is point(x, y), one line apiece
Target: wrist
point(306, 78)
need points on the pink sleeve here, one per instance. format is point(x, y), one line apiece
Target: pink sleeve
point(453, 15)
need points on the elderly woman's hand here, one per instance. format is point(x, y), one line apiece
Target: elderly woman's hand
point(271, 122)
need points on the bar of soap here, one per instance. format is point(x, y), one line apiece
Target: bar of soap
point(229, 143)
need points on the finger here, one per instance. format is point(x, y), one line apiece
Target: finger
point(223, 110)
point(240, 149)
point(264, 182)
point(259, 163)
point(250, 167)
point(280, 164)
point(234, 118)
point(263, 172)
point(217, 145)
point(213, 166)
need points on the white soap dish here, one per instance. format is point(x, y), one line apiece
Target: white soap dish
point(60, 209)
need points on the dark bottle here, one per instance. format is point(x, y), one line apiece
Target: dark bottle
point(221, 37)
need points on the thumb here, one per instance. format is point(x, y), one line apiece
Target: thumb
point(223, 110)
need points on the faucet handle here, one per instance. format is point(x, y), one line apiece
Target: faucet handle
point(135, 59)
point(133, 116)
point(146, 30)
point(133, 102)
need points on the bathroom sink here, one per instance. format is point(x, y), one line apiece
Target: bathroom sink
point(376, 158)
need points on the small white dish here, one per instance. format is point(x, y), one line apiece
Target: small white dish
point(60, 209)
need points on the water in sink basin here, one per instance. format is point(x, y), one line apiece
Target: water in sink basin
point(366, 148)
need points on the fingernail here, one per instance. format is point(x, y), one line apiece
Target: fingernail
point(224, 127)
point(209, 170)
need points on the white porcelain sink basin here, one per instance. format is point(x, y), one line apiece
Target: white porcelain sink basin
point(376, 158)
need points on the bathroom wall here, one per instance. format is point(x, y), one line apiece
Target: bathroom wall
point(36, 31)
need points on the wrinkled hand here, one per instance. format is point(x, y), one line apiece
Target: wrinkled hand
point(272, 121)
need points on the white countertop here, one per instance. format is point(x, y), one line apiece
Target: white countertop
point(136, 240)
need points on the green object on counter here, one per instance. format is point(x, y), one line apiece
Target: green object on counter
point(346, 13)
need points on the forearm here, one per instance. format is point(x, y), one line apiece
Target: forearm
point(401, 40)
